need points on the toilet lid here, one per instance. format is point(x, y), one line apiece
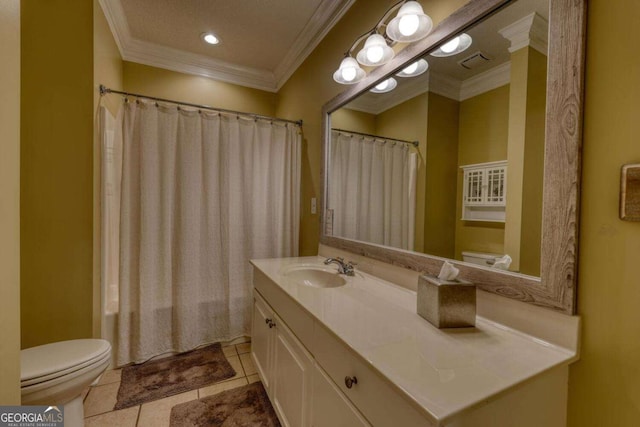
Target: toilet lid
point(49, 360)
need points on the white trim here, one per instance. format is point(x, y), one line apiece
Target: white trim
point(131, 49)
point(445, 86)
point(486, 81)
point(532, 30)
point(325, 17)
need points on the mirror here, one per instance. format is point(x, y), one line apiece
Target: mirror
point(471, 189)
point(453, 163)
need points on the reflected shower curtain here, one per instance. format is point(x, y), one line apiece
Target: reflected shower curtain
point(202, 193)
point(372, 190)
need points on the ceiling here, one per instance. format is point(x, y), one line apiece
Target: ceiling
point(262, 41)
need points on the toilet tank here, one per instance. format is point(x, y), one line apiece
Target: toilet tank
point(480, 258)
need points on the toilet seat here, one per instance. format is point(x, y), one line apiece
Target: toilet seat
point(46, 363)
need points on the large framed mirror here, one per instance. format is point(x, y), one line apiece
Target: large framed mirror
point(475, 160)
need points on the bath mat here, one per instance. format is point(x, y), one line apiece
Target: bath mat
point(243, 406)
point(160, 378)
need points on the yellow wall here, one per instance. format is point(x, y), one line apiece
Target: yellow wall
point(533, 174)
point(356, 121)
point(10, 202)
point(441, 174)
point(408, 121)
point(604, 385)
point(483, 133)
point(56, 186)
point(167, 84)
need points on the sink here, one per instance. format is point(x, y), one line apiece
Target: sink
point(315, 276)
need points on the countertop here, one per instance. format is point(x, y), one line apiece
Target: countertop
point(444, 371)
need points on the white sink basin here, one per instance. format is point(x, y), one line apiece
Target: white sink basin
point(315, 276)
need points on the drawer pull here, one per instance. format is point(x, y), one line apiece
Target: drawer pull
point(267, 321)
point(271, 323)
point(350, 381)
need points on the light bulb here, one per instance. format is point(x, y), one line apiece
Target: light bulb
point(210, 38)
point(408, 25)
point(451, 45)
point(411, 68)
point(375, 54)
point(348, 74)
point(383, 85)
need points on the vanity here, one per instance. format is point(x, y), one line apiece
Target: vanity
point(333, 350)
point(498, 131)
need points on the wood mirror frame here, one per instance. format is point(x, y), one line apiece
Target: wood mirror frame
point(556, 288)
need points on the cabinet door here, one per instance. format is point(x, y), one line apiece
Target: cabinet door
point(331, 408)
point(262, 337)
point(292, 378)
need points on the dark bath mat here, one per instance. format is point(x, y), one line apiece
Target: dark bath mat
point(246, 406)
point(156, 379)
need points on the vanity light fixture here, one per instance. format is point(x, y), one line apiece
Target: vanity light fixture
point(385, 86)
point(375, 52)
point(453, 46)
point(410, 24)
point(349, 72)
point(414, 69)
point(210, 38)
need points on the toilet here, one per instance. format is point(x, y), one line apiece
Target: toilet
point(480, 258)
point(56, 374)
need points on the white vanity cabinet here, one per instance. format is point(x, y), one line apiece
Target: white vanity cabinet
point(285, 367)
point(359, 355)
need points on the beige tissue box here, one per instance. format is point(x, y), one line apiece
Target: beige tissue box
point(447, 304)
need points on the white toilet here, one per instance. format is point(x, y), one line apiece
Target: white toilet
point(57, 374)
point(480, 258)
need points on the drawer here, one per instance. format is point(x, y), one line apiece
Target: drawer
point(296, 318)
point(374, 396)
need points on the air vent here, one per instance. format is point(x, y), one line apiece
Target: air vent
point(475, 60)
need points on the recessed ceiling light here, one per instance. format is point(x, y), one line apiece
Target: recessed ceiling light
point(210, 38)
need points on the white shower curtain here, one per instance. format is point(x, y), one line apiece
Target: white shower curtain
point(372, 190)
point(202, 193)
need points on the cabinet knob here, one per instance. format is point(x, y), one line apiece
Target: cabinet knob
point(350, 381)
point(270, 322)
point(267, 321)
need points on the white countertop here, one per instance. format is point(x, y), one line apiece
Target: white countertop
point(445, 371)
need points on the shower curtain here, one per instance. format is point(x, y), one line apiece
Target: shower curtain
point(201, 194)
point(372, 190)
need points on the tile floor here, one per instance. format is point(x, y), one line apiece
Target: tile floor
point(100, 399)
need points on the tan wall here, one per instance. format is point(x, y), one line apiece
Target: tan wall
point(408, 121)
point(483, 133)
point(56, 171)
point(604, 385)
point(107, 70)
point(10, 202)
point(167, 84)
point(441, 175)
point(356, 121)
point(311, 86)
point(533, 170)
point(525, 155)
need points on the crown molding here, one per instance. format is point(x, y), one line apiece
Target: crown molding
point(486, 81)
point(325, 17)
point(532, 30)
point(444, 85)
point(131, 49)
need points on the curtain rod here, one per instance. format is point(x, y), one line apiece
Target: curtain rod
point(414, 143)
point(105, 90)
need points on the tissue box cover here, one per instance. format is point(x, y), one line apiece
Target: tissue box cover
point(447, 304)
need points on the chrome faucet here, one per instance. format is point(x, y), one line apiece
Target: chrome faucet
point(343, 268)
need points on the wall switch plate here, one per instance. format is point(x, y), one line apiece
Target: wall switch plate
point(314, 206)
point(630, 193)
